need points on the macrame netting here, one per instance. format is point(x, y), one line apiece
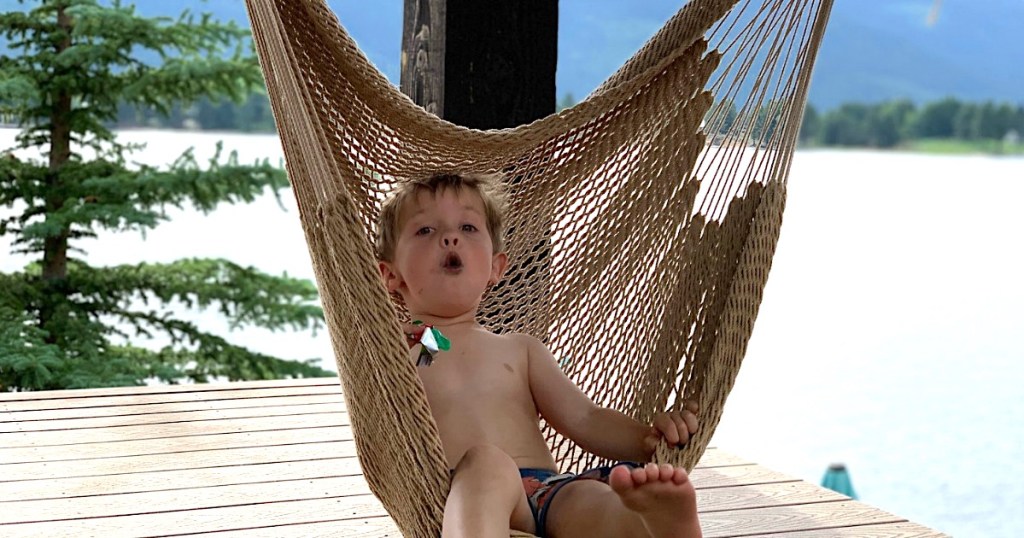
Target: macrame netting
point(647, 213)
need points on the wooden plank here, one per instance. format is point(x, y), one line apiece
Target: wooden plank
point(735, 523)
point(352, 487)
point(170, 523)
point(714, 457)
point(63, 445)
point(101, 501)
point(737, 475)
point(194, 498)
point(114, 433)
point(887, 530)
point(281, 399)
point(280, 462)
point(383, 527)
point(131, 400)
point(145, 476)
point(228, 449)
point(75, 426)
point(370, 527)
point(132, 435)
point(246, 462)
point(183, 449)
point(166, 389)
point(720, 499)
point(785, 519)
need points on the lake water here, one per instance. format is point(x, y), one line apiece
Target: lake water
point(890, 336)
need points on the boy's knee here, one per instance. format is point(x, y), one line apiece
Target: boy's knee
point(487, 462)
point(487, 456)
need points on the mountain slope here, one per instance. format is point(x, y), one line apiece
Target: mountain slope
point(873, 50)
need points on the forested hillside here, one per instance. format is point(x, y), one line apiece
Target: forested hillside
point(874, 50)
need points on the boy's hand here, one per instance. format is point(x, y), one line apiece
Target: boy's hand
point(676, 428)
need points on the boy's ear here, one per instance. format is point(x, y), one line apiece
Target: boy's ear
point(389, 277)
point(499, 262)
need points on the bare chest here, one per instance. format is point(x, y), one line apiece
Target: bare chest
point(477, 378)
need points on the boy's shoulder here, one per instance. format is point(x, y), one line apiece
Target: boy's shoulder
point(513, 338)
point(522, 338)
point(530, 344)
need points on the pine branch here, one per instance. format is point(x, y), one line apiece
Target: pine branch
point(105, 195)
point(26, 360)
point(244, 295)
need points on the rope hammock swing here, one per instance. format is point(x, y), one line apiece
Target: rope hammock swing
point(649, 213)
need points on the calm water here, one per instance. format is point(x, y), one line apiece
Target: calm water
point(890, 337)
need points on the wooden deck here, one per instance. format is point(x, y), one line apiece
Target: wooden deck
point(277, 459)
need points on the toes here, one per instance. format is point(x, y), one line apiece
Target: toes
point(665, 472)
point(621, 479)
point(639, 475)
point(652, 472)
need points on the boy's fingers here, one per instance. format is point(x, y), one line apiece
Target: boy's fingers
point(691, 422)
point(681, 428)
point(652, 440)
point(691, 406)
point(667, 427)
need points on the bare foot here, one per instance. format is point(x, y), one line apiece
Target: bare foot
point(662, 495)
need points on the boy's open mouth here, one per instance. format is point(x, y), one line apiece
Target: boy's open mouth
point(452, 262)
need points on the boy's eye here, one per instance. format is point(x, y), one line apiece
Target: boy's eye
point(468, 228)
point(424, 230)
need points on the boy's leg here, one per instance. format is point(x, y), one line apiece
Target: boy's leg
point(652, 501)
point(486, 497)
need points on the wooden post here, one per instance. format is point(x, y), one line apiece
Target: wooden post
point(486, 64)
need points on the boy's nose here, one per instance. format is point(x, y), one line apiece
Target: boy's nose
point(450, 238)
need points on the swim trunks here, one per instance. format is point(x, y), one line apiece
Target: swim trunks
point(541, 485)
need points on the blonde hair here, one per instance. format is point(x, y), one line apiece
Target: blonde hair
point(488, 186)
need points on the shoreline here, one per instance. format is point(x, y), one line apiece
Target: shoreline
point(924, 146)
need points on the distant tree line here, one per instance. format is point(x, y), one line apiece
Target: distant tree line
point(879, 125)
point(251, 115)
point(892, 123)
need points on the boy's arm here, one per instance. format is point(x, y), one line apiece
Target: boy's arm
point(599, 430)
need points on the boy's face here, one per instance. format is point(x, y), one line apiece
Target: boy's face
point(444, 256)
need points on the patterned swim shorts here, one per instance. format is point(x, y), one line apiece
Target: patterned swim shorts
point(541, 485)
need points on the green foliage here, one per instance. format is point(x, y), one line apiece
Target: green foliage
point(950, 146)
point(900, 123)
point(810, 127)
point(252, 115)
point(64, 323)
point(567, 101)
point(754, 122)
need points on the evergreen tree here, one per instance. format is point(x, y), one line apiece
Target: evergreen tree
point(64, 323)
point(964, 125)
point(990, 123)
point(810, 127)
point(567, 101)
point(720, 117)
point(889, 122)
point(847, 126)
point(768, 117)
point(936, 120)
point(255, 114)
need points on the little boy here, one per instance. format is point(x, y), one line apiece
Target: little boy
point(440, 247)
